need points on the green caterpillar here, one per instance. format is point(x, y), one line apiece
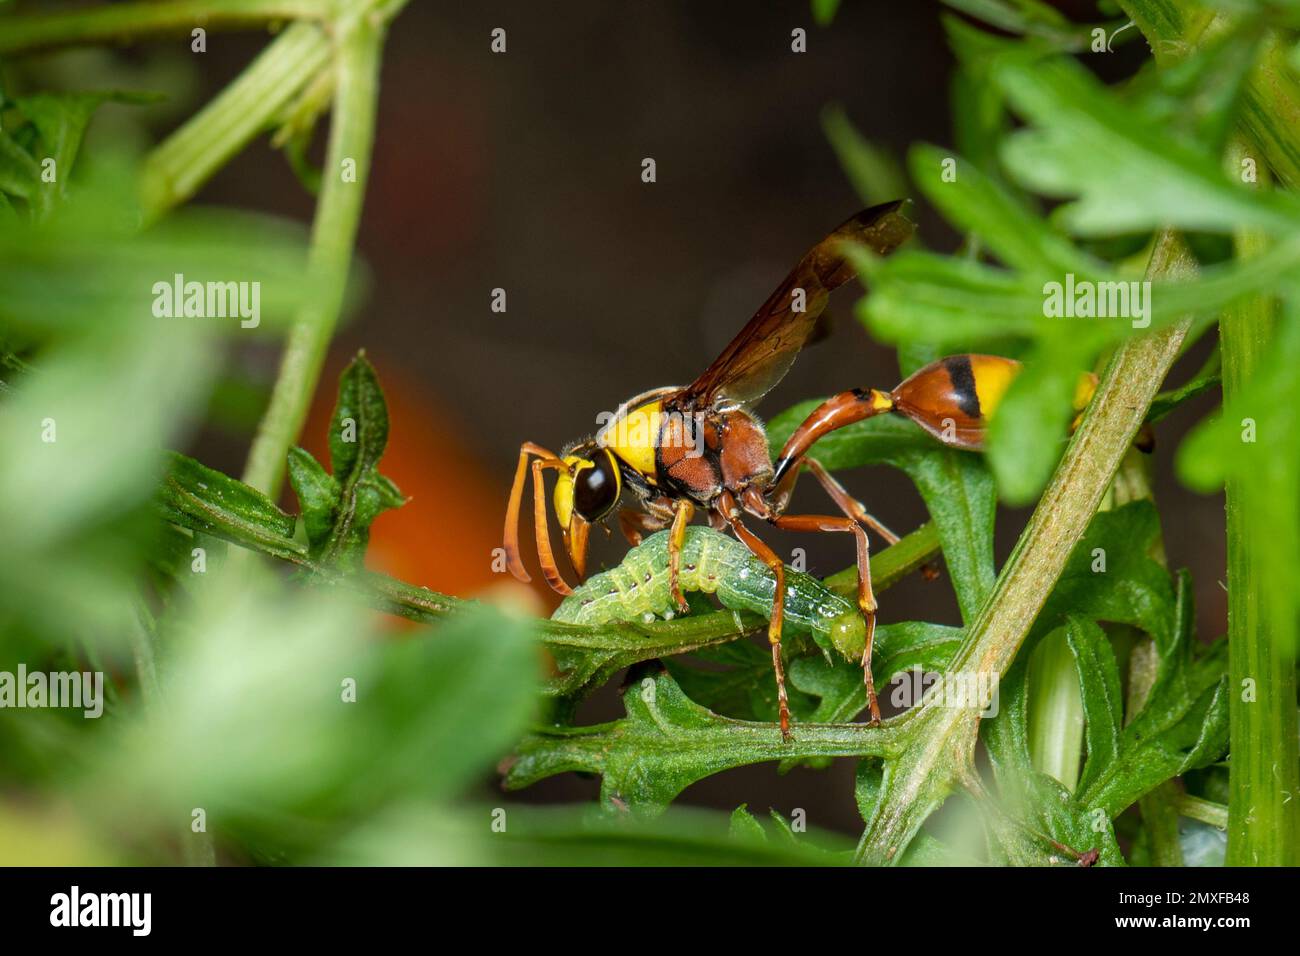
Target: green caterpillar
point(713, 563)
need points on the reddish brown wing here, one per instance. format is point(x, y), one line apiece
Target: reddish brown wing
point(766, 347)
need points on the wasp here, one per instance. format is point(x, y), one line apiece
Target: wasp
point(670, 452)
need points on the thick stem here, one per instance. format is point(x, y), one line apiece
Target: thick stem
point(338, 214)
point(123, 22)
point(188, 158)
point(1130, 381)
point(1264, 780)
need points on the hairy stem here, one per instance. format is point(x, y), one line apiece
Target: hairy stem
point(1264, 780)
point(943, 738)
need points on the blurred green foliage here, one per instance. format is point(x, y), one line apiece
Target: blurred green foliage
point(269, 701)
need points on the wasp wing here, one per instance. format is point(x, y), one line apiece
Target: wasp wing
point(766, 347)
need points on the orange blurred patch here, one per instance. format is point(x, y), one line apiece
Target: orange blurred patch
point(444, 537)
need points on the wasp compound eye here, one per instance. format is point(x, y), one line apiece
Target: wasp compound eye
point(596, 487)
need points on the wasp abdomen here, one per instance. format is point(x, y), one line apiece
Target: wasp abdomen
point(954, 397)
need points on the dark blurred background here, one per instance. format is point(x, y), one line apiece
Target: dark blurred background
point(522, 171)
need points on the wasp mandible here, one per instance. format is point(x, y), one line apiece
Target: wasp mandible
point(670, 451)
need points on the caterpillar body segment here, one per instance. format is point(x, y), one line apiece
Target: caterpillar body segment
point(713, 563)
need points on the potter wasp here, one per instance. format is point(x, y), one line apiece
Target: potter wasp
point(667, 452)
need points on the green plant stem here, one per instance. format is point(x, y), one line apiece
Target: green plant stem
point(176, 169)
point(123, 22)
point(1270, 115)
point(1264, 779)
point(1194, 808)
point(1055, 710)
point(359, 40)
point(942, 739)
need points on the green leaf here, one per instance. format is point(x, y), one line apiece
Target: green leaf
point(739, 681)
point(1197, 98)
point(60, 120)
point(667, 742)
point(1035, 810)
point(359, 427)
point(462, 835)
point(745, 827)
point(976, 204)
point(905, 646)
point(318, 495)
point(877, 176)
point(959, 494)
point(1182, 726)
point(203, 499)
point(1127, 172)
point(1029, 431)
point(1132, 589)
point(1099, 686)
point(331, 724)
point(950, 303)
point(337, 511)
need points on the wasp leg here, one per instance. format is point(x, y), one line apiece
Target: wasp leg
point(866, 599)
point(834, 413)
point(511, 536)
point(683, 511)
point(837, 492)
point(550, 570)
point(635, 525)
point(727, 508)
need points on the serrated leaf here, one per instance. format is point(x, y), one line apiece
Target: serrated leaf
point(667, 742)
point(1041, 810)
point(1182, 726)
point(1123, 172)
point(900, 647)
point(743, 688)
point(359, 426)
point(978, 205)
point(745, 827)
point(1133, 589)
point(339, 532)
point(1099, 686)
point(318, 495)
